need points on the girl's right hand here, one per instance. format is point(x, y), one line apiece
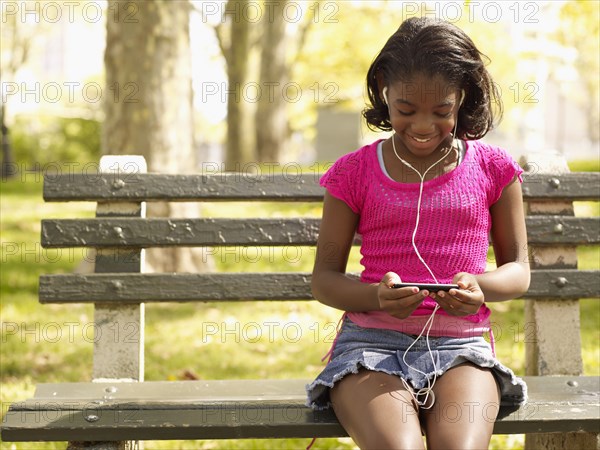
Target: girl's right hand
point(398, 302)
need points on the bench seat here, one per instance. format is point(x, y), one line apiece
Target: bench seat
point(235, 409)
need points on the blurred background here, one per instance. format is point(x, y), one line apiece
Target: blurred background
point(271, 86)
point(226, 83)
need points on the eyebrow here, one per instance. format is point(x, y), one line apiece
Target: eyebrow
point(440, 105)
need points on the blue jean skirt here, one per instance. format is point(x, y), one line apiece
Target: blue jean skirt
point(385, 351)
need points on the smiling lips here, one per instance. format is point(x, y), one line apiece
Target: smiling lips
point(420, 140)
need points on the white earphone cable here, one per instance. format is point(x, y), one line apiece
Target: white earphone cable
point(426, 391)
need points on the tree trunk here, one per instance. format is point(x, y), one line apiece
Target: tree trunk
point(271, 118)
point(239, 148)
point(149, 113)
point(9, 168)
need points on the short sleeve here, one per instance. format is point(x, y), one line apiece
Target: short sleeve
point(502, 169)
point(343, 180)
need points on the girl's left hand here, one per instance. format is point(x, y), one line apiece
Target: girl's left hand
point(464, 301)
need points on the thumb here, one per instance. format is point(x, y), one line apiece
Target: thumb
point(391, 278)
point(462, 279)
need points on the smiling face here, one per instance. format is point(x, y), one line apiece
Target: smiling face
point(423, 113)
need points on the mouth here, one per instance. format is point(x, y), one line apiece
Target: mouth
point(420, 140)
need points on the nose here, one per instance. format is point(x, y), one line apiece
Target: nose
point(422, 124)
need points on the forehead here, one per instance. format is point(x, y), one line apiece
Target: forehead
point(422, 88)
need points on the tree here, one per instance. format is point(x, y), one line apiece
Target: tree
point(271, 117)
point(16, 44)
point(580, 29)
point(254, 35)
point(233, 35)
point(148, 68)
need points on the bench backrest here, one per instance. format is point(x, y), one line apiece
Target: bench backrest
point(120, 232)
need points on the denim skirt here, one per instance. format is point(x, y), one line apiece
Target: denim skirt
point(385, 351)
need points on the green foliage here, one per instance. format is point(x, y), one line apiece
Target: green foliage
point(343, 42)
point(39, 141)
point(339, 49)
point(580, 29)
point(585, 165)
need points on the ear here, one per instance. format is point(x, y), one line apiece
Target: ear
point(381, 86)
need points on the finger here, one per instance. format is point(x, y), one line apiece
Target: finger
point(443, 301)
point(460, 295)
point(405, 297)
point(460, 307)
point(391, 278)
point(463, 280)
point(463, 283)
point(406, 294)
point(451, 305)
point(403, 308)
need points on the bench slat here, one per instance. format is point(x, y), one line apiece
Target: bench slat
point(572, 186)
point(178, 232)
point(155, 232)
point(294, 186)
point(162, 187)
point(186, 287)
point(221, 409)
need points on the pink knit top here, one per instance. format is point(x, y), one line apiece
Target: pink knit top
point(453, 234)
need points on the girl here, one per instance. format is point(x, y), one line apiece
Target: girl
point(424, 201)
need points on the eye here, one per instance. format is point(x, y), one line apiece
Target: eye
point(444, 115)
point(405, 113)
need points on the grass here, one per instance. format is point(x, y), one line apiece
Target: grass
point(54, 343)
point(585, 165)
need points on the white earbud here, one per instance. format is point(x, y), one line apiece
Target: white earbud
point(385, 95)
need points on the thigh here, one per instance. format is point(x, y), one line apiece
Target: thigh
point(467, 399)
point(377, 411)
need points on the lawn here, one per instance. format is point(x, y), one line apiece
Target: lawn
point(53, 343)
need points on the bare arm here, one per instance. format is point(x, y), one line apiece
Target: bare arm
point(332, 287)
point(509, 237)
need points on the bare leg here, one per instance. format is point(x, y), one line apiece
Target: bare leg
point(467, 400)
point(377, 411)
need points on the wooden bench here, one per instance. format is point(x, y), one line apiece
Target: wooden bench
point(118, 406)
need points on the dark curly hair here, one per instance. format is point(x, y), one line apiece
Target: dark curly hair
point(432, 48)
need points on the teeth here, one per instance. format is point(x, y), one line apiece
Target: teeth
point(421, 140)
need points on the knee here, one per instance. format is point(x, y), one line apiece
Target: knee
point(460, 439)
point(395, 441)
